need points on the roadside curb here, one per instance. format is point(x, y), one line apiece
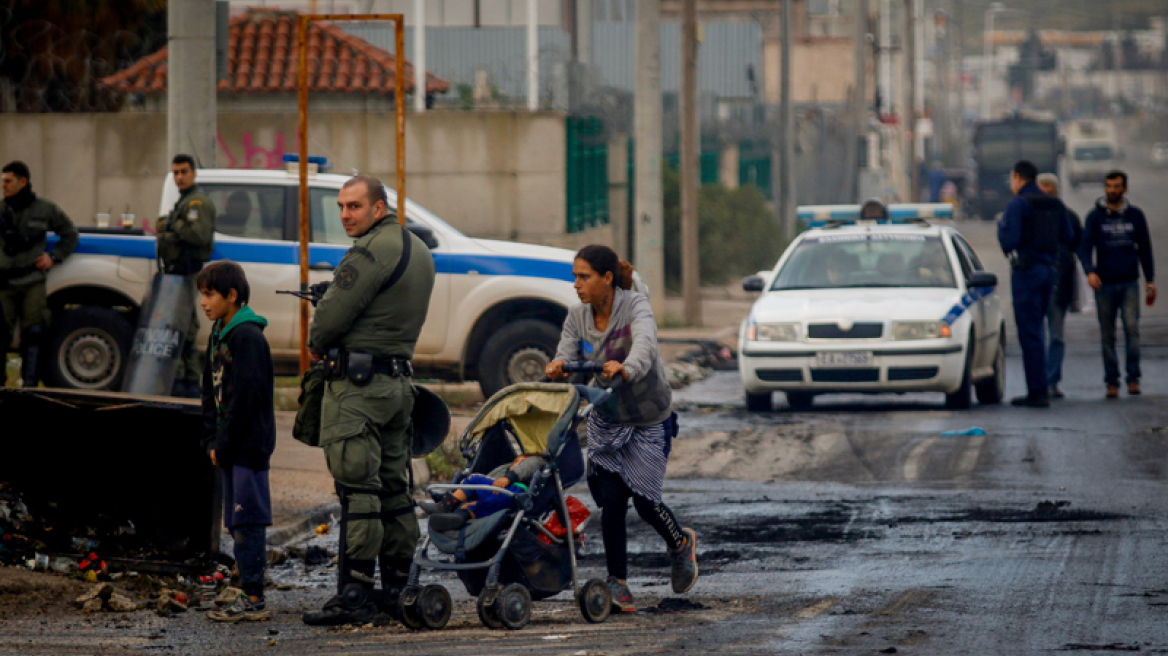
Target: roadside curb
point(288, 533)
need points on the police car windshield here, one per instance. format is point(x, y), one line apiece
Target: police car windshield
point(866, 260)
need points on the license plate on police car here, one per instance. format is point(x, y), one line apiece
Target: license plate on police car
point(844, 359)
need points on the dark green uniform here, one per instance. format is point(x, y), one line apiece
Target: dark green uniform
point(365, 428)
point(25, 221)
point(186, 237)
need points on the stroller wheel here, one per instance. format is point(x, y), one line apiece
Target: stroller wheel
point(595, 601)
point(434, 607)
point(408, 603)
point(487, 614)
point(514, 606)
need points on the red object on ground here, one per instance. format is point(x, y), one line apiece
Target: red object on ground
point(577, 512)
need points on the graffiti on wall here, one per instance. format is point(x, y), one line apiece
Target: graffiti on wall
point(253, 156)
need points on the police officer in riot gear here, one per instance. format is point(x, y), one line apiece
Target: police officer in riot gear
point(25, 220)
point(185, 239)
point(365, 329)
point(1032, 228)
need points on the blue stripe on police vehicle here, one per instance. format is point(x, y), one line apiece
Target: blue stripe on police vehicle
point(972, 296)
point(269, 252)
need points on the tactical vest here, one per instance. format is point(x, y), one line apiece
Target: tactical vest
point(1042, 229)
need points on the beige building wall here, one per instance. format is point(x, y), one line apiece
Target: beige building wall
point(822, 68)
point(497, 175)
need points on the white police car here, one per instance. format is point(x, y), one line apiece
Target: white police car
point(494, 316)
point(874, 306)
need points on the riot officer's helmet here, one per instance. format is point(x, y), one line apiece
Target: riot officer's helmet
point(873, 209)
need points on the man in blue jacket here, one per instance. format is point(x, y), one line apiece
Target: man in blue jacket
point(1032, 227)
point(1117, 235)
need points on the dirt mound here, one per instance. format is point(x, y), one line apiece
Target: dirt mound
point(29, 593)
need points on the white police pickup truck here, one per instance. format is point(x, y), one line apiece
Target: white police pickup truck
point(494, 317)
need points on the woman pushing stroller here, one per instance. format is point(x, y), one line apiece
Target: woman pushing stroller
point(629, 438)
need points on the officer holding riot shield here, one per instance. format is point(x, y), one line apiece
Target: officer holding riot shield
point(365, 329)
point(25, 221)
point(1032, 228)
point(185, 239)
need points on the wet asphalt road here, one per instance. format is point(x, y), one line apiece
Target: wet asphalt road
point(854, 528)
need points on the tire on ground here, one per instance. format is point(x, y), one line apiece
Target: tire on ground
point(88, 349)
point(962, 399)
point(760, 402)
point(517, 350)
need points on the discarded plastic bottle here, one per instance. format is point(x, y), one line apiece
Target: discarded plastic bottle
point(82, 545)
point(975, 431)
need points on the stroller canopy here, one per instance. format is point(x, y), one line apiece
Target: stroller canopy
point(540, 415)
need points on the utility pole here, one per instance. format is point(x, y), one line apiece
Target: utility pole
point(647, 204)
point(910, 109)
point(690, 259)
point(190, 81)
point(959, 43)
point(532, 56)
point(860, 90)
point(783, 175)
point(942, 123)
point(420, 56)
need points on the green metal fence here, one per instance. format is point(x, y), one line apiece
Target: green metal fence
point(586, 188)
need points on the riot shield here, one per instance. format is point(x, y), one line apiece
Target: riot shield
point(162, 331)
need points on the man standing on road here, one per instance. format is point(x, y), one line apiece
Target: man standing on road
point(365, 328)
point(1116, 244)
point(24, 263)
point(1032, 227)
point(1063, 294)
point(185, 239)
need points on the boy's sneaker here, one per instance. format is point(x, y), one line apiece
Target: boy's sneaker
point(685, 563)
point(622, 597)
point(241, 610)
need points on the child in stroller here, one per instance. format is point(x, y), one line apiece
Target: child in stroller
point(457, 508)
point(509, 558)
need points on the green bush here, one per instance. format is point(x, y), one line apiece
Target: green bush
point(737, 232)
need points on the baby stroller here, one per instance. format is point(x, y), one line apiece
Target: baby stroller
point(509, 558)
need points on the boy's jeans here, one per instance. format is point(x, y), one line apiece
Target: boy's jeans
point(1121, 299)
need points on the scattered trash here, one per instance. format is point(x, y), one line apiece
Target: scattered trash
point(91, 564)
point(676, 605)
point(64, 565)
point(974, 431)
point(682, 374)
point(316, 555)
point(277, 556)
point(84, 544)
point(321, 530)
point(169, 603)
point(228, 596)
point(103, 597)
point(121, 604)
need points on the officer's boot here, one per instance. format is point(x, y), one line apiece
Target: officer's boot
point(354, 604)
point(30, 351)
point(393, 580)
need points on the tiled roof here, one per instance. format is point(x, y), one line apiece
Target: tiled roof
point(262, 57)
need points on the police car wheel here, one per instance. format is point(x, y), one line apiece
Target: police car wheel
point(89, 349)
point(992, 390)
point(517, 353)
point(962, 399)
point(760, 402)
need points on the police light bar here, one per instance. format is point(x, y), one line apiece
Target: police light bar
point(315, 163)
point(818, 216)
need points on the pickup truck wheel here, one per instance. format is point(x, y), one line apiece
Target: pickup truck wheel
point(517, 353)
point(90, 346)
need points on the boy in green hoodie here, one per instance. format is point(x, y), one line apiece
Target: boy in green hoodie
point(239, 426)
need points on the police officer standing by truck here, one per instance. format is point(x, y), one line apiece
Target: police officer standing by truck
point(365, 329)
point(1032, 228)
point(185, 239)
point(25, 220)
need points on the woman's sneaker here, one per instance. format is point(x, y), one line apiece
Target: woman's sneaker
point(622, 598)
point(685, 563)
point(241, 610)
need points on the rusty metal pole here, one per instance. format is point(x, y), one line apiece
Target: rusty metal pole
point(399, 93)
point(690, 152)
point(302, 134)
point(302, 22)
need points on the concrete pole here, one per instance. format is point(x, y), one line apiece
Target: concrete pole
point(860, 90)
point(886, 101)
point(690, 258)
point(420, 56)
point(786, 191)
point(910, 109)
point(988, 57)
point(962, 150)
point(532, 56)
point(584, 32)
point(190, 79)
point(647, 205)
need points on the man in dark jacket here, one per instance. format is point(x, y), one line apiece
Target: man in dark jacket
point(1063, 294)
point(25, 221)
point(1115, 246)
point(1032, 227)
